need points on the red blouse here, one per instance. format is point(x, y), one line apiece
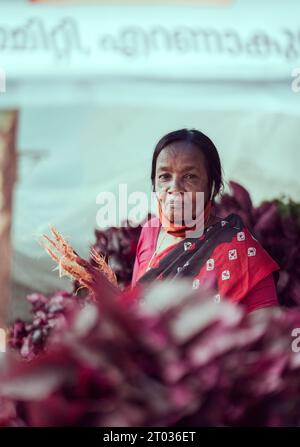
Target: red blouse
point(244, 279)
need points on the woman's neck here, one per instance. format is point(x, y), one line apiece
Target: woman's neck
point(165, 239)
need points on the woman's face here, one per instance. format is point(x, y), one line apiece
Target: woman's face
point(180, 168)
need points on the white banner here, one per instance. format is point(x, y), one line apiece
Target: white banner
point(245, 40)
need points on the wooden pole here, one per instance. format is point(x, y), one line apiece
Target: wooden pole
point(8, 126)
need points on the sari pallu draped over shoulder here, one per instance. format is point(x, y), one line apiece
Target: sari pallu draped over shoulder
point(227, 258)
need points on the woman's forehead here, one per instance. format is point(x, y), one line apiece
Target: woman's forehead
point(180, 153)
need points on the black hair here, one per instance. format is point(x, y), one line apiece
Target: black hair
point(204, 144)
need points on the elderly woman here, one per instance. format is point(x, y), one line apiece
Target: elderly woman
point(220, 254)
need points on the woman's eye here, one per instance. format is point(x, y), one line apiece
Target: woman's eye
point(190, 176)
point(163, 176)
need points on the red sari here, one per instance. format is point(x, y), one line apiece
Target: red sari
point(227, 258)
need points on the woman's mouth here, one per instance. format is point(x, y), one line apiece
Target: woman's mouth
point(176, 201)
point(175, 204)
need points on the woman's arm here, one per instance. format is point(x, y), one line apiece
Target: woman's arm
point(262, 295)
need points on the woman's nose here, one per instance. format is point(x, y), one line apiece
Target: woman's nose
point(175, 185)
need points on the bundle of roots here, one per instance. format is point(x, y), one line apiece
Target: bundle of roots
point(72, 265)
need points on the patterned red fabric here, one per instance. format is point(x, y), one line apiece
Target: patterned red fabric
point(262, 295)
point(234, 268)
point(237, 266)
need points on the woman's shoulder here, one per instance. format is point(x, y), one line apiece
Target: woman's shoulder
point(233, 220)
point(240, 243)
point(240, 233)
point(152, 222)
point(150, 230)
point(239, 259)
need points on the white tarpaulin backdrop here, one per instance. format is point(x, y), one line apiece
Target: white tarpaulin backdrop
point(93, 119)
